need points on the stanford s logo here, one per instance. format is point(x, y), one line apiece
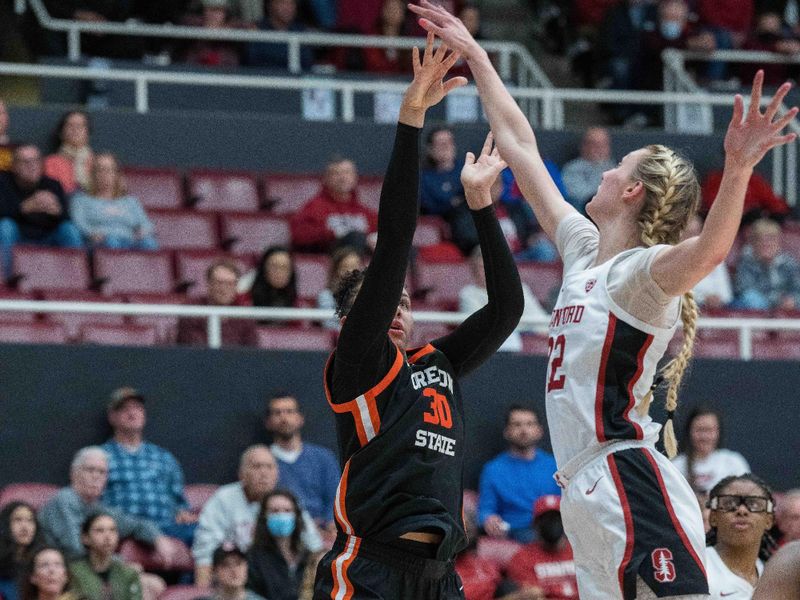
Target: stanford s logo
point(590, 285)
point(663, 567)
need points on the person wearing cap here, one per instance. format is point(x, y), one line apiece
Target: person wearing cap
point(229, 572)
point(144, 479)
point(546, 563)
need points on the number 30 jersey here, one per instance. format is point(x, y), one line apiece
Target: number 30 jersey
point(602, 361)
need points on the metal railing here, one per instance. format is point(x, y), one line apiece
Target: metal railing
point(215, 314)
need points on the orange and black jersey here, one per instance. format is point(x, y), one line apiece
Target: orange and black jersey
point(400, 421)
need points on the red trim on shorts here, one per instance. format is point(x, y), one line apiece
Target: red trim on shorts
point(626, 511)
point(601, 379)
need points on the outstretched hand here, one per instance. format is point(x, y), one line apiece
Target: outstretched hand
point(750, 136)
point(477, 176)
point(429, 87)
point(449, 28)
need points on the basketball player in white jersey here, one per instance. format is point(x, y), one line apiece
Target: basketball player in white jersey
point(632, 519)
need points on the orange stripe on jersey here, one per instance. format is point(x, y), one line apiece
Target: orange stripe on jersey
point(425, 350)
point(340, 502)
point(343, 588)
point(601, 379)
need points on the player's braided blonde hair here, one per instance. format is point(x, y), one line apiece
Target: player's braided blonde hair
point(672, 193)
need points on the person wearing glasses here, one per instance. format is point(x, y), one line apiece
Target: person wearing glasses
point(738, 542)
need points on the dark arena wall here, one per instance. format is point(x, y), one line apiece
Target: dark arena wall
point(206, 406)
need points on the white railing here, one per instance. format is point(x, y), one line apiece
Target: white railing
point(215, 314)
point(527, 67)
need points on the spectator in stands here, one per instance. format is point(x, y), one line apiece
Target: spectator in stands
point(716, 290)
point(309, 471)
point(62, 517)
point(230, 575)
point(6, 147)
point(222, 278)
point(583, 174)
point(759, 200)
point(730, 20)
point(392, 23)
point(281, 16)
point(357, 16)
point(738, 542)
point(47, 577)
point(343, 260)
point(33, 207)
point(546, 563)
point(704, 463)
point(787, 516)
point(100, 575)
point(514, 480)
point(474, 296)
point(275, 282)
point(441, 192)
point(71, 165)
point(214, 53)
point(20, 537)
point(334, 217)
point(767, 278)
point(770, 35)
point(144, 480)
point(280, 565)
point(106, 214)
point(230, 514)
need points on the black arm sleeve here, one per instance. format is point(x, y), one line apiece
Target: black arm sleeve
point(364, 351)
point(477, 338)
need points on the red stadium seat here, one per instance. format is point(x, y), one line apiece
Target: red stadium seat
point(541, 278)
point(714, 348)
point(38, 268)
point(135, 552)
point(497, 549)
point(185, 229)
point(72, 322)
point(428, 232)
point(128, 272)
point(185, 592)
point(442, 281)
point(32, 333)
point(369, 191)
point(312, 274)
point(249, 233)
point(119, 335)
point(223, 191)
point(291, 192)
point(292, 338)
point(155, 188)
point(191, 269)
point(35, 494)
point(776, 349)
point(197, 494)
point(166, 326)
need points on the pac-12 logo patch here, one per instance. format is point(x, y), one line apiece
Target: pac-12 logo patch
point(663, 567)
point(590, 285)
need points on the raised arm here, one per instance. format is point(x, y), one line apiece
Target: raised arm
point(512, 132)
point(750, 136)
point(362, 341)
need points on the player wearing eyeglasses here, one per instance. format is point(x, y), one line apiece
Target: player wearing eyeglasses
point(738, 542)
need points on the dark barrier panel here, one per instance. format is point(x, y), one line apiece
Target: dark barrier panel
point(206, 406)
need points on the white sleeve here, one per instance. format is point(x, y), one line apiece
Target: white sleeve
point(680, 464)
point(576, 237)
point(532, 310)
point(210, 531)
point(742, 466)
point(311, 536)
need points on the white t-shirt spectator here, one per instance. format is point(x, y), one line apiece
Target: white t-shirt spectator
point(724, 584)
point(717, 283)
point(712, 469)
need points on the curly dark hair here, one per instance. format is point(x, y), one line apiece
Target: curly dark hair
point(12, 561)
point(347, 290)
point(768, 543)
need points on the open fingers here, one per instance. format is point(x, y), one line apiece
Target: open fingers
point(487, 144)
point(455, 82)
point(428, 48)
point(780, 141)
point(738, 110)
point(785, 119)
point(451, 59)
point(469, 159)
point(424, 12)
point(777, 100)
point(755, 93)
point(439, 55)
point(415, 60)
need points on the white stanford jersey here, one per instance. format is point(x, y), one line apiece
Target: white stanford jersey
point(723, 583)
point(602, 361)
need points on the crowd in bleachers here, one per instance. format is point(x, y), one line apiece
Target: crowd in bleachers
point(127, 526)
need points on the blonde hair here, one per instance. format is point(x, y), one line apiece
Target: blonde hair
point(120, 186)
point(672, 194)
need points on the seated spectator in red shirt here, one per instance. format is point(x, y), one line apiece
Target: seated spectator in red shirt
point(221, 278)
point(334, 216)
point(6, 147)
point(71, 165)
point(770, 35)
point(547, 563)
point(213, 53)
point(731, 18)
point(275, 281)
point(759, 201)
point(391, 23)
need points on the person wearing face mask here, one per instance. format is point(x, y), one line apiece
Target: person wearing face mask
point(546, 563)
point(281, 567)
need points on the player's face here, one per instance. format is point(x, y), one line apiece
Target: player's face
point(403, 322)
point(284, 419)
point(523, 430)
point(616, 185)
point(704, 434)
point(741, 528)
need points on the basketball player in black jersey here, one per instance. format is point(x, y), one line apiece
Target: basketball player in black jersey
point(399, 411)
